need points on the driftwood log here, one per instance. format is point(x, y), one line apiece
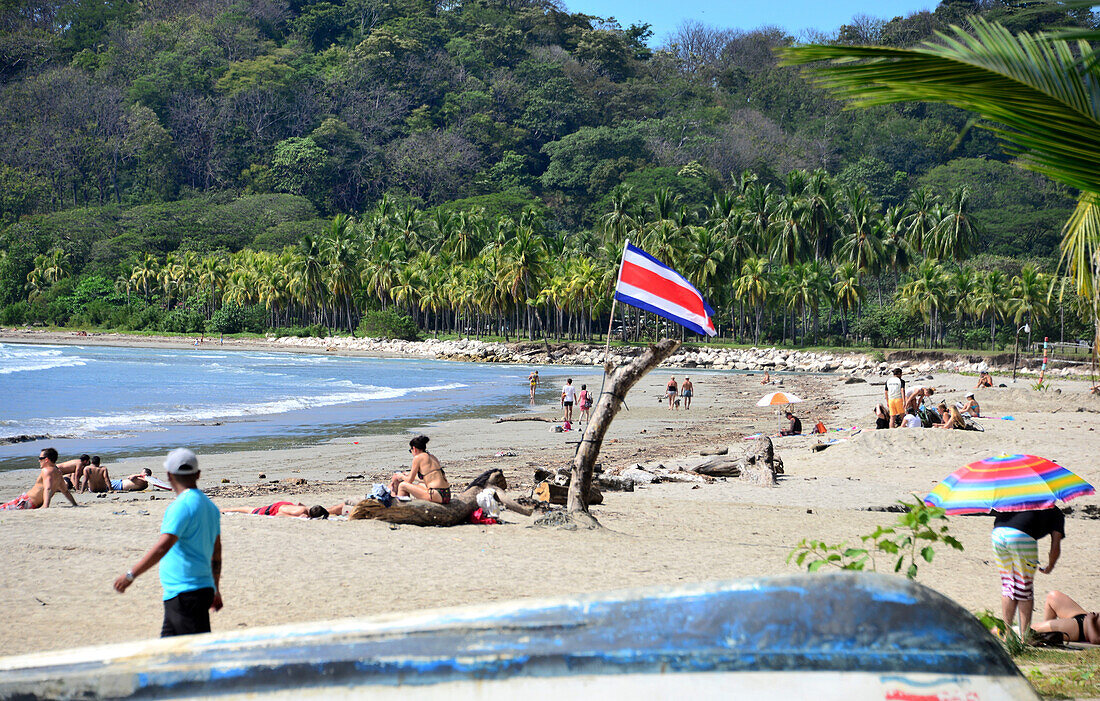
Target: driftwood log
point(619, 381)
point(524, 417)
point(757, 464)
point(427, 513)
point(551, 493)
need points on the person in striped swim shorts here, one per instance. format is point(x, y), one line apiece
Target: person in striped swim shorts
point(1016, 537)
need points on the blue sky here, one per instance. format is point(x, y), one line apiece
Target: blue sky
point(792, 15)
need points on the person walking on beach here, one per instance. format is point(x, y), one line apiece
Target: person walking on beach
point(585, 403)
point(533, 378)
point(189, 551)
point(49, 482)
point(1016, 537)
point(895, 397)
point(686, 391)
point(568, 398)
point(670, 392)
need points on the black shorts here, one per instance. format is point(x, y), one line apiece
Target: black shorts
point(187, 613)
point(568, 403)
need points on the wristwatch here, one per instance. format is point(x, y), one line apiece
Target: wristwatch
point(129, 575)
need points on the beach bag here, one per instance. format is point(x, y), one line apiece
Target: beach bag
point(478, 517)
point(488, 503)
point(820, 428)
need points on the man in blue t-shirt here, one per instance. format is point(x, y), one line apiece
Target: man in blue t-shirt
point(189, 551)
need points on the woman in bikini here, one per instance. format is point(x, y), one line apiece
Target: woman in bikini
point(1062, 614)
point(425, 479)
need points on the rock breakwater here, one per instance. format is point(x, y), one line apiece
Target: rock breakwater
point(711, 358)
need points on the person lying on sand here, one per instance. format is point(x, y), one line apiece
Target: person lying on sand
point(1062, 614)
point(289, 509)
point(97, 479)
point(50, 481)
point(425, 479)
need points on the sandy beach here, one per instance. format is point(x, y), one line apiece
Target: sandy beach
point(58, 564)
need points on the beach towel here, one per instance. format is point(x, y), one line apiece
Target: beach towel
point(154, 482)
point(478, 517)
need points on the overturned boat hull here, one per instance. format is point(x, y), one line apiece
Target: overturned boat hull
point(827, 636)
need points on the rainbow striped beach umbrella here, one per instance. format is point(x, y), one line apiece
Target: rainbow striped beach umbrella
point(1007, 483)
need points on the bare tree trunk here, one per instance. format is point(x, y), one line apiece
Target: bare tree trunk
point(619, 383)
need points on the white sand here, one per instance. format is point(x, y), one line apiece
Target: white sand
point(58, 564)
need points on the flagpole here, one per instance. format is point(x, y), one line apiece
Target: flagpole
point(610, 322)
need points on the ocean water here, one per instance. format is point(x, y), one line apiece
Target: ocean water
point(125, 402)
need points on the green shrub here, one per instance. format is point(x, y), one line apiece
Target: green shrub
point(14, 314)
point(233, 318)
point(315, 331)
point(183, 320)
point(388, 324)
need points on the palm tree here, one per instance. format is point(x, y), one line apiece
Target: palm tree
point(821, 213)
point(1029, 297)
point(990, 301)
point(926, 294)
point(956, 233)
point(753, 287)
point(789, 227)
point(861, 236)
point(1039, 93)
point(921, 219)
point(849, 291)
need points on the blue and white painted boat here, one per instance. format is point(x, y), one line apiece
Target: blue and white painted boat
point(844, 635)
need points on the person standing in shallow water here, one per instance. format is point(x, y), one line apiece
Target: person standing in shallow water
point(533, 378)
point(189, 551)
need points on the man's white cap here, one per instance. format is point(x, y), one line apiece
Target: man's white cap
point(182, 461)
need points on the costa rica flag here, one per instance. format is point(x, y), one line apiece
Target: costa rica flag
point(649, 284)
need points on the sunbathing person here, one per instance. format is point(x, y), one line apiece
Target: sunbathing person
point(425, 479)
point(98, 479)
point(289, 509)
point(970, 406)
point(1062, 614)
point(984, 380)
point(75, 468)
point(49, 482)
point(882, 417)
point(951, 418)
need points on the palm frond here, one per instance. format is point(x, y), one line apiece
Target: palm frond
point(1080, 247)
point(1042, 104)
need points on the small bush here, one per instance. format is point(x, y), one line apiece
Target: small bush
point(14, 314)
point(184, 321)
point(233, 318)
point(388, 324)
point(315, 331)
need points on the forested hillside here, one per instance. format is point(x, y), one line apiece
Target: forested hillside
point(141, 135)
